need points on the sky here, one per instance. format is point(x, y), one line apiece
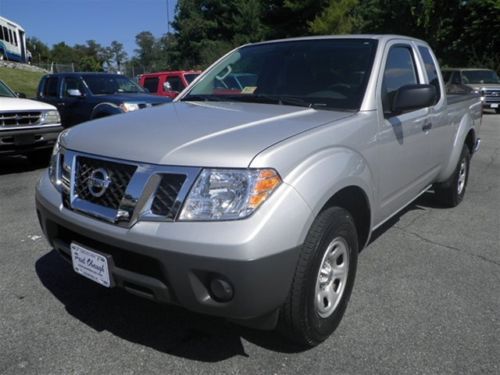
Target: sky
point(76, 21)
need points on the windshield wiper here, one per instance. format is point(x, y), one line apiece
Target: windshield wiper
point(202, 98)
point(277, 99)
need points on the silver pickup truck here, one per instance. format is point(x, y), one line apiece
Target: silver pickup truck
point(250, 196)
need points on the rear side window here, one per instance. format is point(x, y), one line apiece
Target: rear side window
point(175, 83)
point(399, 71)
point(50, 87)
point(151, 84)
point(431, 70)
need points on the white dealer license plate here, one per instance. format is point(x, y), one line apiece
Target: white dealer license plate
point(494, 105)
point(90, 264)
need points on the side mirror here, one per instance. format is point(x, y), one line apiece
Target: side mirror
point(412, 97)
point(74, 93)
point(167, 86)
point(21, 95)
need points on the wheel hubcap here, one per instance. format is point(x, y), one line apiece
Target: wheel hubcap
point(461, 177)
point(332, 277)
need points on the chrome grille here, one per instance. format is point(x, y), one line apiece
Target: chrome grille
point(19, 118)
point(492, 95)
point(119, 174)
point(122, 192)
point(166, 195)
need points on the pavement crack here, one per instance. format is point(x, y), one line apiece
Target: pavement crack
point(425, 239)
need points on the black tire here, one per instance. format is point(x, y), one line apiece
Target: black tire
point(451, 192)
point(497, 110)
point(307, 318)
point(40, 158)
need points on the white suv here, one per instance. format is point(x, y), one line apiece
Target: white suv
point(27, 126)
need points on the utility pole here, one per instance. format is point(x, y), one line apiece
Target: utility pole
point(168, 18)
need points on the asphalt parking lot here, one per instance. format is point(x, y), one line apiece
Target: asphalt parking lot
point(426, 300)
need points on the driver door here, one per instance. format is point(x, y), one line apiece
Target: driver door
point(404, 147)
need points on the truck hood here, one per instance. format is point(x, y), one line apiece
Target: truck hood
point(204, 134)
point(488, 86)
point(18, 104)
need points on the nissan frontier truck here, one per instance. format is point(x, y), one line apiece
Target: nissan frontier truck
point(252, 204)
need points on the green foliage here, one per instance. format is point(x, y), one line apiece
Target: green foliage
point(19, 80)
point(337, 18)
point(461, 32)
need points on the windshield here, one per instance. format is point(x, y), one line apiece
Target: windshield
point(191, 76)
point(109, 84)
point(5, 91)
point(480, 76)
point(323, 74)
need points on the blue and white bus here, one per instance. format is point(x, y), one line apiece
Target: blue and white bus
point(12, 41)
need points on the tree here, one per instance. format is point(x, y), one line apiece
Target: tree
point(146, 52)
point(61, 53)
point(117, 54)
point(337, 18)
point(39, 50)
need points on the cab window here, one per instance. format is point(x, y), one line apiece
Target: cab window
point(72, 83)
point(151, 84)
point(431, 70)
point(399, 71)
point(175, 83)
point(50, 87)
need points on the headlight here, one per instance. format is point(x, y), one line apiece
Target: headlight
point(50, 117)
point(128, 107)
point(228, 194)
point(55, 162)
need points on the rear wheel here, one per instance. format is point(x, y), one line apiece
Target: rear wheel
point(451, 192)
point(323, 279)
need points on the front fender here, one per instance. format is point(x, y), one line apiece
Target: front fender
point(325, 173)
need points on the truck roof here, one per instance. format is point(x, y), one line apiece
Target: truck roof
point(380, 37)
point(467, 69)
point(79, 74)
point(172, 72)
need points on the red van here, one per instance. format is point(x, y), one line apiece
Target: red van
point(168, 83)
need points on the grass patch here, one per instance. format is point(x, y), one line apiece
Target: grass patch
point(19, 80)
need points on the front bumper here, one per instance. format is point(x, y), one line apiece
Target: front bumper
point(22, 141)
point(174, 262)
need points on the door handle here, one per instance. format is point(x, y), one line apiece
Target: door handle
point(427, 126)
point(61, 104)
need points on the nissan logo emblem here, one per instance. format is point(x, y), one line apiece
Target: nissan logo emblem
point(98, 182)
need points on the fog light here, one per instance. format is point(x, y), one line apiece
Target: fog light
point(221, 290)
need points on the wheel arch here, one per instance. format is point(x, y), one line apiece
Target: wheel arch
point(104, 109)
point(355, 201)
point(465, 135)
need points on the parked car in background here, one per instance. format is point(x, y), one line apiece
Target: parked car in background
point(85, 96)
point(482, 81)
point(27, 126)
point(253, 206)
point(168, 84)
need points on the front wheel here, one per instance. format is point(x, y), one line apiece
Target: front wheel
point(451, 192)
point(323, 279)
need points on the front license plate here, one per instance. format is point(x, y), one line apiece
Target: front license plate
point(494, 105)
point(90, 264)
